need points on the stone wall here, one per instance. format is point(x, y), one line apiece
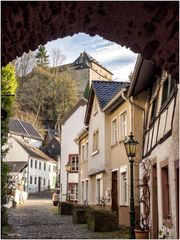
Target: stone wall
point(150, 28)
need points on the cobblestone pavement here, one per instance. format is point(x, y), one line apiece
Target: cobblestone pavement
point(39, 219)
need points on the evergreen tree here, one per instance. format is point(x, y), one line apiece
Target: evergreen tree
point(42, 57)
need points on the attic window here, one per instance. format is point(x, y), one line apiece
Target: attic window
point(52, 145)
point(167, 91)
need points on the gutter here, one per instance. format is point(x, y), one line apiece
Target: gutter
point(113, 100)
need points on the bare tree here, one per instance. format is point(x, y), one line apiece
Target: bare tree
point(57, 58)
point(24, 64)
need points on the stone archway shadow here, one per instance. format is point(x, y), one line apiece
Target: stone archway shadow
point(149, 28)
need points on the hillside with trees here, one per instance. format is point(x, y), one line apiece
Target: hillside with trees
point(42, 94)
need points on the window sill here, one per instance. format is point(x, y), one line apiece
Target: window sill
point(95, 152)
point(124, 205)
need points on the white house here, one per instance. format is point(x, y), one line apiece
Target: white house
point(72, 123)
point(40, 173)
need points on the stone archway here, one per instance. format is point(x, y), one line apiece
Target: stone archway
point(149, 28)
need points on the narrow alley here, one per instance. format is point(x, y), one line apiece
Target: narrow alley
point(39, 219)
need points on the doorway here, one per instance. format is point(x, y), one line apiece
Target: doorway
point(154, 203)
point(114, 206)
point(39, 184)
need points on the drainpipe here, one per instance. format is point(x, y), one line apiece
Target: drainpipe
point(131, 101)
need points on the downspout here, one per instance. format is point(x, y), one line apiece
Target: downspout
point(135, 104)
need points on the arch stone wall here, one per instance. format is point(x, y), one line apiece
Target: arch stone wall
point(149, 28)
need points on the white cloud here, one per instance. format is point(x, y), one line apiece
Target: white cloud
point(119, 60)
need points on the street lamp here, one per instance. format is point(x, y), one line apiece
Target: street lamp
point(131, 147)
point(68, 168)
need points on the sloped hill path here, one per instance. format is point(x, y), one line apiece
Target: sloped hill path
point(39, 219)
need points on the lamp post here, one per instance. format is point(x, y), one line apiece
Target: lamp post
point(68, 168)
point(131, 147)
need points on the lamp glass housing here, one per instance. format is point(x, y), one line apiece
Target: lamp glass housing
point(131, 146)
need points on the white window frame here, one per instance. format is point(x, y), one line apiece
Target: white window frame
point(83, 152)
point(99, 178)
point(122, 133)
point(114, 131)
point(95, 142)
point(123, 170)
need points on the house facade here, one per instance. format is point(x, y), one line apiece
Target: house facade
point(70, 126)
point(104, 177)
point(160, 147)
point(40, 173)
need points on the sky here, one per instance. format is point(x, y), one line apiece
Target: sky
point(118, 60)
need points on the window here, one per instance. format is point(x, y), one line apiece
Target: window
point(165, 192)
point(73, 191)
point(44, 181)
point(95, 141)
point(35, 180)
point(73, 159)
point(167, 88)
point(123, 125)
point(44, 166)
point(124, 188)
point(114, 131)
point(39, 165)
point(31, 163)
point(86, 158)
point(87, 190)
point(30, 179)
point(54, 168)
point(153, 107)
point(49, 167)
point(83, 153)
point(10, 145)
point(99, 189)
point(35, 163)
point(82, 192)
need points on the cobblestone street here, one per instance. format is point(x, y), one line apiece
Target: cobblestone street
point(39, 219)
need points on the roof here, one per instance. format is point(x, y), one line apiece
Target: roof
point(105, 91)
point(85, 58)
point(34, 151)
point(143, 76)
point(81, 102)
point(16, 166)
point(23, 128)
point(53, 151)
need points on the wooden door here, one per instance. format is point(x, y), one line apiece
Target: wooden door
point(114, 192)
point(154, 203)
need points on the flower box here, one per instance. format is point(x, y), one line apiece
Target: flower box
point(102, 221)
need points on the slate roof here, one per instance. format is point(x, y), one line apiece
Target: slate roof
point(34, 151)
point(23, 128)
point(106, 90)
point(16, 166)
point(84, 57)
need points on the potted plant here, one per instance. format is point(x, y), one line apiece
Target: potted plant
point(142, 223)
